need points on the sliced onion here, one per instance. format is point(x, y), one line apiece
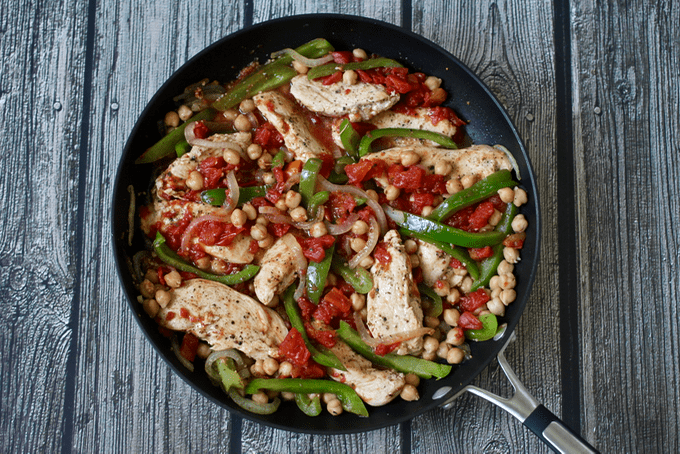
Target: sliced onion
point(300, 260)
point(396, 215)
point(234, 192)
point(392, 338)
point(311, 62)
point(175, 349)
point(214, 356)
point(343, 227)
point(274, 215)
point(253, 119)
point(189, 232)
point(205, 143)
point(292, 181)
point(513, 161)
point(353, 190)
point(373, 237)
point(301, 288)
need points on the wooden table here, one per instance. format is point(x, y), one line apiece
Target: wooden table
point(593, 89)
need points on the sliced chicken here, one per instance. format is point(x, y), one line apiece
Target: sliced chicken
point(393, 305)
point(238, 251)
point(375, 387)
point(293, 126)
point(478, 160)
point(172, 182)
point(360, 101)
point(278, 270)
point(434, 263)
point(224, 318)
point(419, 120)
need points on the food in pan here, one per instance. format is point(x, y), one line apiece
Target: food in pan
point(318, 233)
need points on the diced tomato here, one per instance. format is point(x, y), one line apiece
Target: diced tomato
point(382, 349)
point(381, 253)
point(362, 128)
point(405, 177)
point(314, 249)
point(213, 170)
point(342, 57)
point(419, 200)
point(309, 370)
point(434, 184)
point(217, 233)
point(497, 203)
point(327, 164)
point(173, 233)
point(341, 205)
point(306, 307)
point(439, 113)
point(184, 313)
point(467, 320)
point(294, 349)
point(189, 347)
point(267, 136)
point(461, 218)
point(417, 275)
point(254, 247)
point(398, 84)
point(365, 170)
point(473, 301)
point(292, 168)
point(480, 217)
point(327, 338)
point(278, 230)
point(455, 263)
point(276, 192)
point(333, 305)
point(480, 253)
point(258, 202)
point(201, 131)
point(333, 78)
point(515, 241)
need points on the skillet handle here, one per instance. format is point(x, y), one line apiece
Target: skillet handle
point(523, 406)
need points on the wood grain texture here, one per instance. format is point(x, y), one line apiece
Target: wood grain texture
point(41, 89)
point(509, 45)
point(626, 61)
point(127, 398)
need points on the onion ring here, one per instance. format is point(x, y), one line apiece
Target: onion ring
point(513, 161)
point(234, 192)
point(189, 232)
point(190, 137)
point(310, 62)
point(343, 227)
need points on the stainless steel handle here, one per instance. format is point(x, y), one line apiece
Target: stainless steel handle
point(523, 406)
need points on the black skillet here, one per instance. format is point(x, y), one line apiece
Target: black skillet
point(488, 123)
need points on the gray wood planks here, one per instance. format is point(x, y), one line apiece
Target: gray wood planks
point(625, 69)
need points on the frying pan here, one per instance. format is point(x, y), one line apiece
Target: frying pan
point(488, 123)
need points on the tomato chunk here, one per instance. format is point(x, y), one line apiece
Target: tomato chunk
point(473, 301)
point(467, 320)
point(294, 349)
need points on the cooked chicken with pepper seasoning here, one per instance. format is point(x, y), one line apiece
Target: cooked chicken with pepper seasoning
point(317, 232)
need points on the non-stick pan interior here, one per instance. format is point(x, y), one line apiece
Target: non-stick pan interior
point(472, 101)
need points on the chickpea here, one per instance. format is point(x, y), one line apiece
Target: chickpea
point(318, 229)
point(430, 344)
point(358, 301)
point(173, 279)
point(254, 151)
point(466, 285)
point(443, 350)
point(442, 288)
point(162, 297)
point(334, 407)
point(507, 195)
point(293, 199)
point(151, 275)
point(431, 322)
point(494, 283)
point(367, 262)
point(451, 317)
point(203, 263)
point(519, 224)
point(258, 232)
point(496, 307)
point(151, 307)
point(495, 218)
point(505, 268)
point(372, 194)
point(412, 379)
point(410, 158)
point(442, 168)
point(231, 156)
point(184, 112)
point(195, 181)
point(285, 369)
point(285, 395)
point(357, 244)
point(260, 398)
point(507, 296)
point(270, 366)
point(238, 217)
point(172, 119)
point(453, 186)
point(496, 293)
point(265, 161)
point(281, 204)
point(242, 123)
point(392, 192)
point(510, 255)
point(299, 214)
point(230, 114)
point(247, 105)
point(415, 260)
point(455, 336)
point(147, 289)
point(359, 53)
point(454, 296)
point(326, 398)
point(360, 227)
point(462, 271)
point(409, 393)
point(250, 211)
point(301, 68)
point(268, 178)
point(350, 77)
point(468, 180)
point(433, 83)
point(204, 350)
point(455, 356)
point(520, 197)
point(429, 356)
point(266, 242)
point(410, 246)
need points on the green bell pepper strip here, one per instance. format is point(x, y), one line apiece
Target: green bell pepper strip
point(279, 159)
point(317, 274)
point(170, 257)
point(489, 265)
point(488, 330)
point(216, 197)
point(437, 306)
point(321, 354)
point(367, 140)
point(316, 201)
point(476, 193)
point(406, 364)
point(166, 146)
point(350, 139)
point(231, 381)
point(350, 400)
point(308, 177)
point(226, 368)
point(330, 68)
point(441, 232)
point(338, 174)
point(182, 147)
point(270, 76)
point(359, 278)
point(460, 254)
point(311, 406)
